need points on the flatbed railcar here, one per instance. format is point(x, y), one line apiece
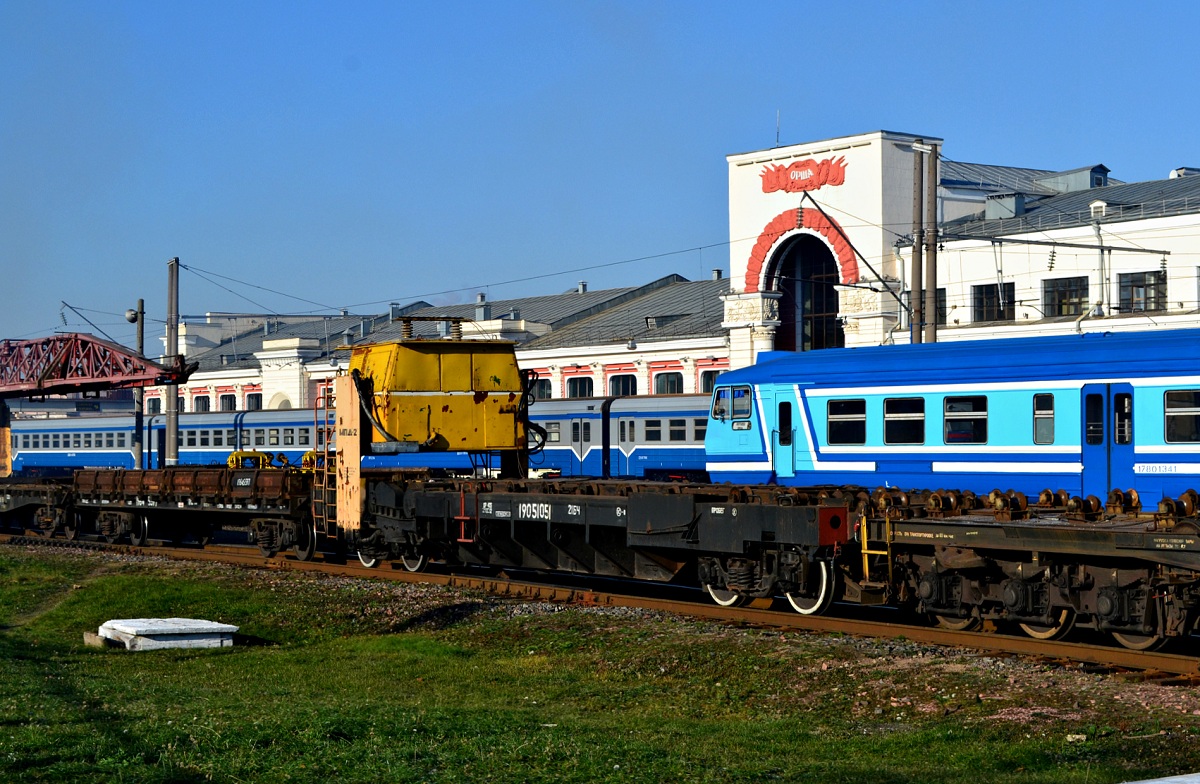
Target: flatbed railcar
point(1040, 529)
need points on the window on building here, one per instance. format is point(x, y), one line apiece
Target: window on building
point(990, 302)
point(1183, 416)
point(200, 403)
point(847, 421)
point(941, 304)
point(708, 381)
point(541, 389)
point(179, 404)
point(654, 430)
point(965, 420)
point(254, 401)
point(1143, 292)
point(154, 405)
point(228, 402)
point(580, 386)
point(1065, 296)
point(1043, 419)
point(904, 420)
point(624, 384)
point(668, 384)
point(677, 429)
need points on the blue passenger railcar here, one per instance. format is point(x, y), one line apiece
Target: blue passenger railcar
point(653, 437)
point(1084, 413)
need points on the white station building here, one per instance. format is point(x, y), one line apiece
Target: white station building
point(821, 256)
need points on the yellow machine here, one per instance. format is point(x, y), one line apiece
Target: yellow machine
point(440, 395)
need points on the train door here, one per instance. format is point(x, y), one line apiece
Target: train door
point(581, 441)
point(1107, 438)
point(783, 439)
point(626, 430)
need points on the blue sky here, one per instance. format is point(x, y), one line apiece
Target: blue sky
point(353, 154)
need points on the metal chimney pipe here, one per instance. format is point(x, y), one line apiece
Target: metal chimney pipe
point(172, 412)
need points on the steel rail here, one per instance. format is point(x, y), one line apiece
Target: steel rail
point(757, 614)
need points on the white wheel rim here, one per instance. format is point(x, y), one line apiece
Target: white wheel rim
point(801, 604)
point(722, 597)
point(367, 560)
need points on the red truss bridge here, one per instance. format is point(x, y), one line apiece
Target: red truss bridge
point(76, 362)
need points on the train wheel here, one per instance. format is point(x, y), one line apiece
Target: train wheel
point(819, 597)
point(71, 529)
point(367, 560)
point(414, 562)
point(306, 541)
point(724, 597)
point(1139, 642)
point(139, 532)
point(954, 623)
point(1055, 631)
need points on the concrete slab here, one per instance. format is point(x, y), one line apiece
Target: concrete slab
point(146, 634)
point(1187, 778)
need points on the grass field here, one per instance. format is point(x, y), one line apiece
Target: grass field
point(346, 680)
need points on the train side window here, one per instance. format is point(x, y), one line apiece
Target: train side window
point(847, 421)
point(553, 432)
point(191, 438)
point(1093, 421)
point(273, 437)
point(1123, 418)
point(87, 440)
point(904, 420)
point(120, 440)
point(587, 432)
point(700, 429)
point(574, 432)
point(109, 441)
point(741, 402)
point(966, 420)
point(54, 440)
point(289, 436)
point(1182, 407)
point(677, 429)
point(204, 437)
point(24, 442)
point(76, 440)
point(218, 437)
point(654, 430)
point(1043, 419)
point(302, 436)
point(260, 437)
point(720, 406)
point(785, 424)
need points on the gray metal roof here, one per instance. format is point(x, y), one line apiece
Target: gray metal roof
point(1126, 201)
point(981, 176)
point(683, 309)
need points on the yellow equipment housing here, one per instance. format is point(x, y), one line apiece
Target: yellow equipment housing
point(441, 395)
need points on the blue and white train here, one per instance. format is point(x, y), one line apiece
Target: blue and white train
point(1084, 413)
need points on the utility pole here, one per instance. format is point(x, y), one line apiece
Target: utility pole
point(931, 250)
point(139, 394)
point(915, 286)
point(172, 402)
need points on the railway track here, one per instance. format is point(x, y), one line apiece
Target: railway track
point(758, 613)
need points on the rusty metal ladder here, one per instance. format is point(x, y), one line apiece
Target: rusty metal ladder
point(324, 485)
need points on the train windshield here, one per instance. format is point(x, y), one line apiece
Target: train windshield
point(731, 401)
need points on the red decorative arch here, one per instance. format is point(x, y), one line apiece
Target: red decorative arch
point(790, 220)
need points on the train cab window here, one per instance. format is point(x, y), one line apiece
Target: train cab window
point(1123, 418)
point(699, 429)
point(553, 432)
point(204, 437)
point(965, 420)
point(785, 424)
point(1183, 416)
point(1043, 419)
point(289, 436)
point(668, 384)
point(904, 420)
point(1093, 419)
point(741, 402)
point(579, 387)
point(624, 384)
point(847, 421)
point(677, 429)
point(302, 436)
point(653, 430)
